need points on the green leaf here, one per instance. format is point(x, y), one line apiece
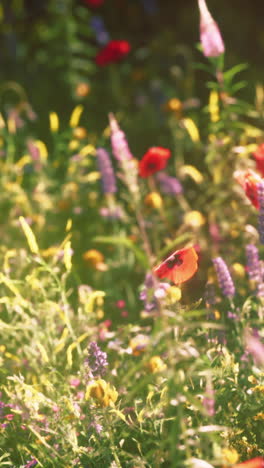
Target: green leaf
point(124, 241)
point(229, 74)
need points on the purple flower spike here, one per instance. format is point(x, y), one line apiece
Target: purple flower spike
point(168, 184)
point(253, 265)
point(119, 143)
point(260, 188)
point(96, 360)
point(224, 277)
point(106, 170)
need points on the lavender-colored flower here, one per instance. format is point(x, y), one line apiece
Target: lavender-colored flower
point(255, 347)
point(260, 188)
point(210, 36)
point(152, 293)
point(98, 26)
point(95, 427)
point(168, 184)
point(126, 161)
point(115, 212)
point(106, 170)
point(96, 360)
point(208, 400)
point(31, 463)
point(253, 264)
point(224, 277)
point(119, 143)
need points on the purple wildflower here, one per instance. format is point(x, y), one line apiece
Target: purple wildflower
point(122, 153)
point(255, 347)
point(95, 427)
point(253, 265)
point(260, 188)
point(96, 360)
point(98, 26)
point(114, 212)
point(119, 143)
point(168, 184)
point(208, 400)
point(31, 463)
point(224, 277)
point(106, 169)
point(152, 293)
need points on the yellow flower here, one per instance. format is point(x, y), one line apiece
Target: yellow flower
point(138, 344)
point(79, 133)
point(102, 392)
point(174, 105)
point(82, 89)
point(73, 145)
point(230, 455)
point(95, 259)
point(173, 294)
point(238, 270)
point(195, 219)
point(259, 417)
point(156, 364)
point(153, 200)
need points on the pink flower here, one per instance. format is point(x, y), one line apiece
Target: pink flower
point(210, 36)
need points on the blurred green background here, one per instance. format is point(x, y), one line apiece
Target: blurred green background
point(48, 46)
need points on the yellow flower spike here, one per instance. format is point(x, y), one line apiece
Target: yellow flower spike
point(54, 122)
point(88, 149)
point(29, 235)
point(156, 364)
point(214, 106)
point(238, 270)
point(80, 133)
point(102, 392)
point(192, 172)
point(26, 159)
point(2, 122)
point(67, 258)
point(11, 125)
point(191, 129)
point(76, 115)
point(82, 89)
point(43, 152)
point(73, 145)
point(217, 314)
point(68, 225)
point(195, 219)
point(173, 295)
point(153, 200)
point(230, 455)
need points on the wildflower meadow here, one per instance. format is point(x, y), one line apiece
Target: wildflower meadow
point(132, 233)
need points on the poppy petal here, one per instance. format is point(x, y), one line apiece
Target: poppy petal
point(178, 267)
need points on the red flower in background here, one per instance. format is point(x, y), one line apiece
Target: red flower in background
point(249, 180)
point(259, 158)
point(154, 160)
point(93, 3)
point(254, 463)
point(179, 267)
point(113, 52)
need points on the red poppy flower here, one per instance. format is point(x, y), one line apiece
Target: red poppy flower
point(113, 52)
point(154, 160)
point(178, 267)
point(249, 180)
point(93, 3)
point(259, 158)
point(254, 463)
